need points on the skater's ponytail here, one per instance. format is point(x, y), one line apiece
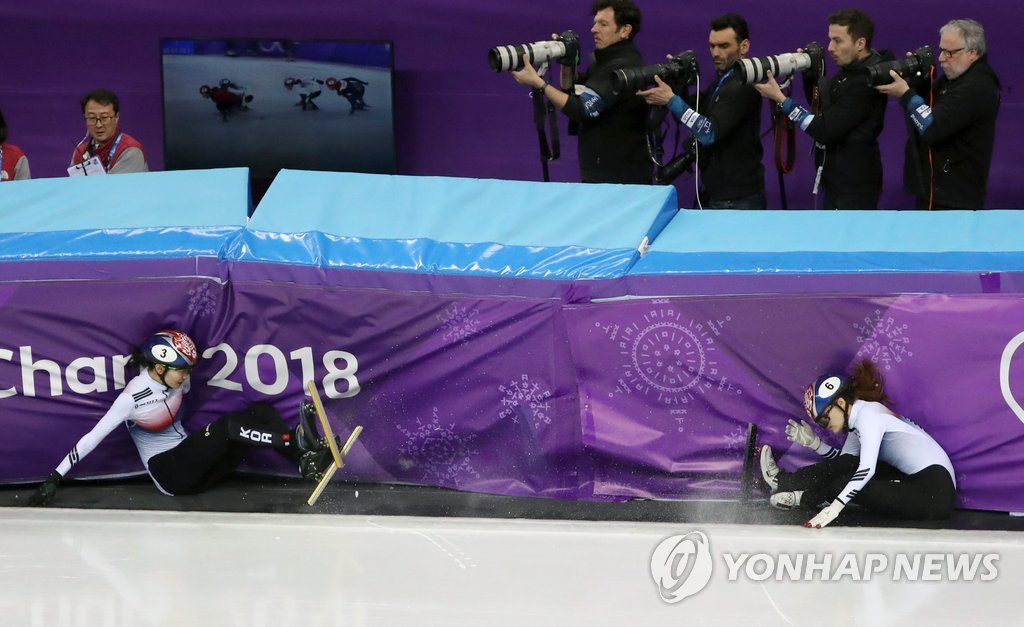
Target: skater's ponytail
point(138, 360)
point(866, 382)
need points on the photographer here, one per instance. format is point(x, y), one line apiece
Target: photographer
point(949, 152)
point(726, 125)
point(846, 125)
point(612, 128)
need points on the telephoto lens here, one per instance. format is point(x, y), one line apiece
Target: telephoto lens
point(914, 65)
point(680, 69)
point(755, 69)
point(510, 58)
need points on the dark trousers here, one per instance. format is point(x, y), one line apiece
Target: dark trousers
point(928, 494)
point(922, 203)
point(207, 457)
point(754, 201)
point(850, 201)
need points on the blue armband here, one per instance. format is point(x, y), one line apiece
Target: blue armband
point(920, 113)
point(701, 127)
point(593, 104)
point(800, 116)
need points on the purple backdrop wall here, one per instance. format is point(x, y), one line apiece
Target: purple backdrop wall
point(454, 116)
point(523, 396)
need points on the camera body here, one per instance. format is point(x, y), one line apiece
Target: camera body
point(681, 70)
point(914, 65)
point(755, 69)
point(669, 172)
point(566, 49)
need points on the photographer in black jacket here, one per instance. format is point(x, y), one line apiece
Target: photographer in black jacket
point(726, 124)
point(949, 152)
point(612, 128)
point(846, 125)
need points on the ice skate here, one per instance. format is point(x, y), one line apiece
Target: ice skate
point(769, 469)
point(306, 435)
point(786, 500)
point(313, 463)
point(320, 465)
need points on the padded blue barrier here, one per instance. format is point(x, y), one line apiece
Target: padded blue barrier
point(711, 252)
point(440, 225)
point(837, 241)
point(129, 216)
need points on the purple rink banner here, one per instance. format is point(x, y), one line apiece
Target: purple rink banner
point(519, 396)
point(63, 349)
point(668, 385)
point(474, 393)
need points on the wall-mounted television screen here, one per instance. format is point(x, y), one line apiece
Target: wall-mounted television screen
point(278, 103)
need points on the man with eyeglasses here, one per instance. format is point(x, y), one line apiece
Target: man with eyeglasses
point(116, 151)
point(949, 150)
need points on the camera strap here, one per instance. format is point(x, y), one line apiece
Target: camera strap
point(544, 111)
point(656, 134)
point(784, 141)
point(931, 161)
point(924, 175)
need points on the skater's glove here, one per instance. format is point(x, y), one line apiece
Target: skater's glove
point(826, 515)
point(44, 493)
point(801, 433)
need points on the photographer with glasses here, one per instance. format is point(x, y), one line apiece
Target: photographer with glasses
point(949, 149)
point(113, 150)
point(726, 124)
point(888, 464)
point(612, 128)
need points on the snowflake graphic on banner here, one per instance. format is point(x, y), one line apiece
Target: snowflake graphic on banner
point(526, 399)
point(735, 442)
point(201, 300)
point(964, 495)
point(884, 340)
point(458, 323)
point(667, 356)
point(436, 451)
point(679, 415)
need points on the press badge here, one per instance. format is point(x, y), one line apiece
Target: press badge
point(89, 167)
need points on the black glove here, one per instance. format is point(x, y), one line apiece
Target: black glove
point(46, 490)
